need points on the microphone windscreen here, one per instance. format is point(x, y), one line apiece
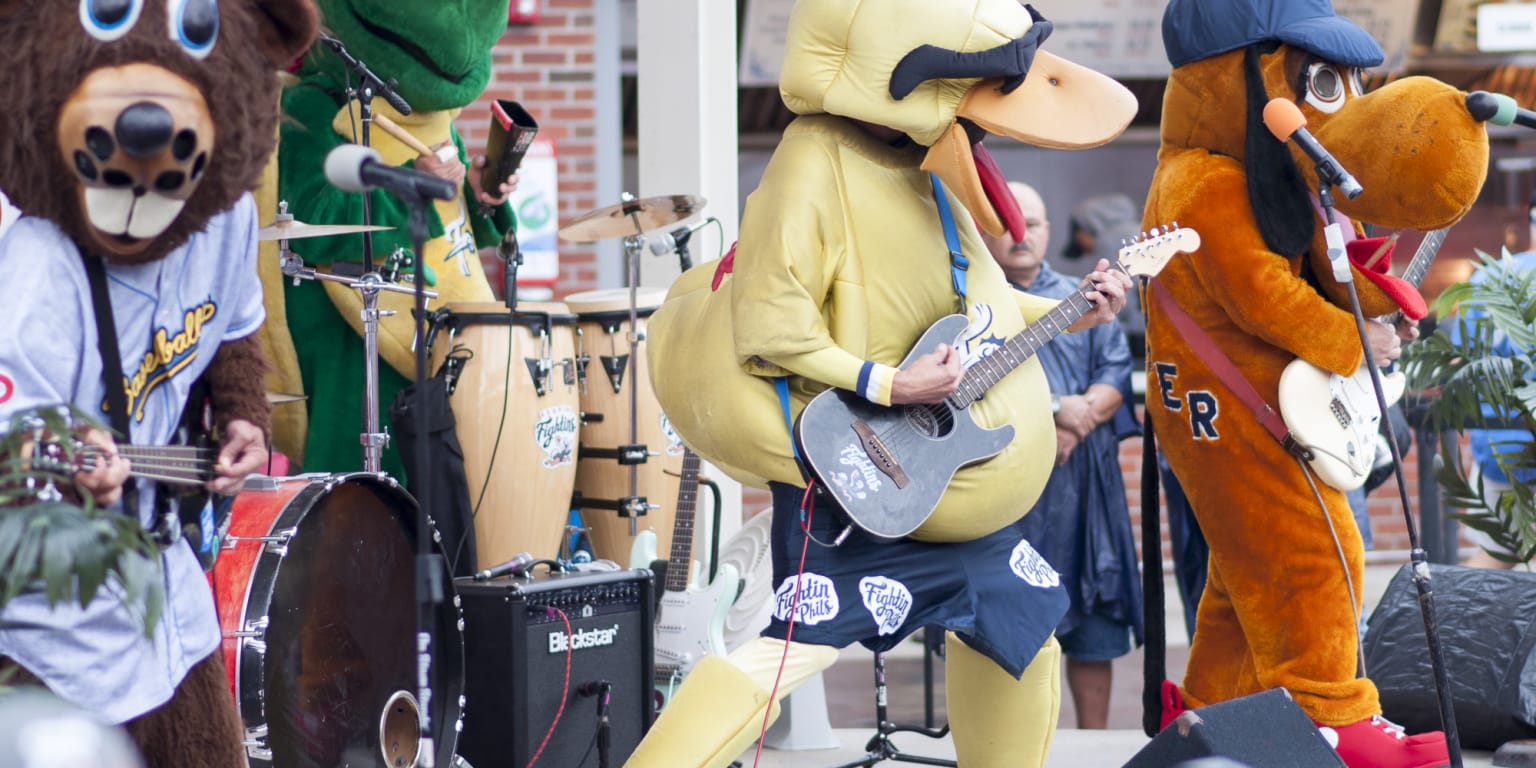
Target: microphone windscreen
point(344, 166)
point(1508, 109)
point(1283, 118)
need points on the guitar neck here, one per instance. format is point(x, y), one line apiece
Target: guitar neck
point(680, 560)
point(992, 368)
point(174, 464)
point(1418, 268)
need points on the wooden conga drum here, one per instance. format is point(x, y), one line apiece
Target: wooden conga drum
point(617, 387)
point(516, 405)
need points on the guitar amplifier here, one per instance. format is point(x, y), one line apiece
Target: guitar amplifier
point(521, 634)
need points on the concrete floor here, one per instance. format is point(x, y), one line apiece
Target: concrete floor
point(849, 719)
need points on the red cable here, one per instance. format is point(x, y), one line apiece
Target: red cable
point(565, 688)
point(809, 510)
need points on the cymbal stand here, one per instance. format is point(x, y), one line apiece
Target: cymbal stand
point(369, 285)
point(632, 246)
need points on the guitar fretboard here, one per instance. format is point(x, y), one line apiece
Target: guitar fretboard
point(1419, 266)
point(178, 465)
point(680, 561)
point(1014, 352)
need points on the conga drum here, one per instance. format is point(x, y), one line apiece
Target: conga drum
point(515, 401)
point(617, 390)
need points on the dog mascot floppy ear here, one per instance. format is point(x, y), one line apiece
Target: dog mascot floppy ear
point(1285, 575)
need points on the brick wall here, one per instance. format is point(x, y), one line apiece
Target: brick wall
point(548, 67)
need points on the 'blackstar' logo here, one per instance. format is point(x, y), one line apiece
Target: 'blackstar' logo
point(582, 638)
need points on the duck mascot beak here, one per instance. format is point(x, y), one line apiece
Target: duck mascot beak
point(947, 73)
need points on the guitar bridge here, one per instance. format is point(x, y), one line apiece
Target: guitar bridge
point(878, 454)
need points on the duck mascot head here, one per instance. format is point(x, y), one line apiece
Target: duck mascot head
point(1285, 572)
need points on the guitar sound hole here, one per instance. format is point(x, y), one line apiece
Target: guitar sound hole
point(933, 420)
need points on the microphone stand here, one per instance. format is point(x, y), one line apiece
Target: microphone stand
point(429, 566)
point(369, 85)
point(1419, 558)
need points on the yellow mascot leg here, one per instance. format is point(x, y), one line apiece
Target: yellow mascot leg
point(997, 721)
point(718, 710)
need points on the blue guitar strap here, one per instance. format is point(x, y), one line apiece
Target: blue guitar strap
point(958, 263)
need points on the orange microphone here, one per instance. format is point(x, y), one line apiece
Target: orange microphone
point(1286, 122)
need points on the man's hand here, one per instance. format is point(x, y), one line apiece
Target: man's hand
point(1386, 343)
point(929, 379)
point(1107, 292)
point(244, 451)
point(1066, 442)
point(448, 170)
point(105, 480)
point(1076, 416)
point(505, 189)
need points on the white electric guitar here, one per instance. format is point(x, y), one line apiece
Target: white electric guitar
point(691, 622)
point(1341, 434)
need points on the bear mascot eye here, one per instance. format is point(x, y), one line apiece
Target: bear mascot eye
point(108, 20)
point(195, 24)
point(1327, 85)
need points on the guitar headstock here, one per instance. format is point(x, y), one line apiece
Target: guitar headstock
point(1151, 251)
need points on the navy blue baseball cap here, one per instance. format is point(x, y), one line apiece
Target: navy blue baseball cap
point(1200, 29)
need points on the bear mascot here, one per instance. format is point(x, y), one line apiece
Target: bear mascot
point(1282, 604)
point(862, 234)
point(136, 130)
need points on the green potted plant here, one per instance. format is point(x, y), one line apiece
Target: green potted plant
point(1479, 370)
point(70, 549)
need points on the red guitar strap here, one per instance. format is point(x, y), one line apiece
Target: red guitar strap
point(1223, 367)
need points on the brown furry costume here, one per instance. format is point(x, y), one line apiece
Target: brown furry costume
point(1277, 609)
point(66, 83)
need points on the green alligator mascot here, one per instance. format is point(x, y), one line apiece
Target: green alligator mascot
point(440, 54)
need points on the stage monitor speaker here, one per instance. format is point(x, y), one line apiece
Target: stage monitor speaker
point(1265, 730)
point(1487, 627)
point(516, 651)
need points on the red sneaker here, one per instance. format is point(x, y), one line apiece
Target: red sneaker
point(1378, 743)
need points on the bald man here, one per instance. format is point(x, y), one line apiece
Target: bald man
point(1081, 523)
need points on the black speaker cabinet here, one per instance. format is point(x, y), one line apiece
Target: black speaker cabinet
point(1487, 627)
point(1265, 730)
point(516, 648)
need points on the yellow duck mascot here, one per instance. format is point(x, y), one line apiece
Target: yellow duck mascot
point(1281, 605)
point(843, 263)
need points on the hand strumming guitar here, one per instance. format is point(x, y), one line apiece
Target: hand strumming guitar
point(244, 450)
point(929, 379)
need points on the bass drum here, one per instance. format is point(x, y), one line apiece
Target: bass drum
point(317, 602)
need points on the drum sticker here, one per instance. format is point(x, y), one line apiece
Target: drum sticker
point(859, 483)
point(674, 443)
point(555, 434)
point(7, 388)
point(888, 600)
point(818, 600)
point(1028, 565)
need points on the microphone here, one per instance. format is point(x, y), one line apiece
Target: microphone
point(356, 168)
point(1498, 109)
point(668, 242)
point(383, 88)
point(1286, 122)
point(517, 565)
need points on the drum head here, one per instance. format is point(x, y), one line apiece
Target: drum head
point(340, 682)
point(614, 299)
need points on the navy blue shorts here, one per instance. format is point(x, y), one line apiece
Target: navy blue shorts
point(996, 592)
point(1095, 638)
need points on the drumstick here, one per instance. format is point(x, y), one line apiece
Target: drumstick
point(392, 128)
point(1381, 251)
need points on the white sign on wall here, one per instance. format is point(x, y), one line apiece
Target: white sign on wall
point(537, 205)
point(762, 41)
point(1506, 27)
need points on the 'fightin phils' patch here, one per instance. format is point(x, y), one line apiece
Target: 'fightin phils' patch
point(1028, 565)
point(818, 600)
point(888, 600)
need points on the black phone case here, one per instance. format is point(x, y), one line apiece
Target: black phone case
point(512, 131)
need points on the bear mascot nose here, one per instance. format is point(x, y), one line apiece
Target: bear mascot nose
point(144, 129)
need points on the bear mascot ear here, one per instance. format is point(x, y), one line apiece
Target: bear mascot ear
point(288, 28)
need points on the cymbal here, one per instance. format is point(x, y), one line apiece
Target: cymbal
point(293, 229)
point(631, 217)
point(279, 398)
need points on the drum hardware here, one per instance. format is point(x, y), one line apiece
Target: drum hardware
point(276, 544)
point(370, 284)
point(283, 398)
point(255, 743)
point(631, 507)
point(624, 454)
